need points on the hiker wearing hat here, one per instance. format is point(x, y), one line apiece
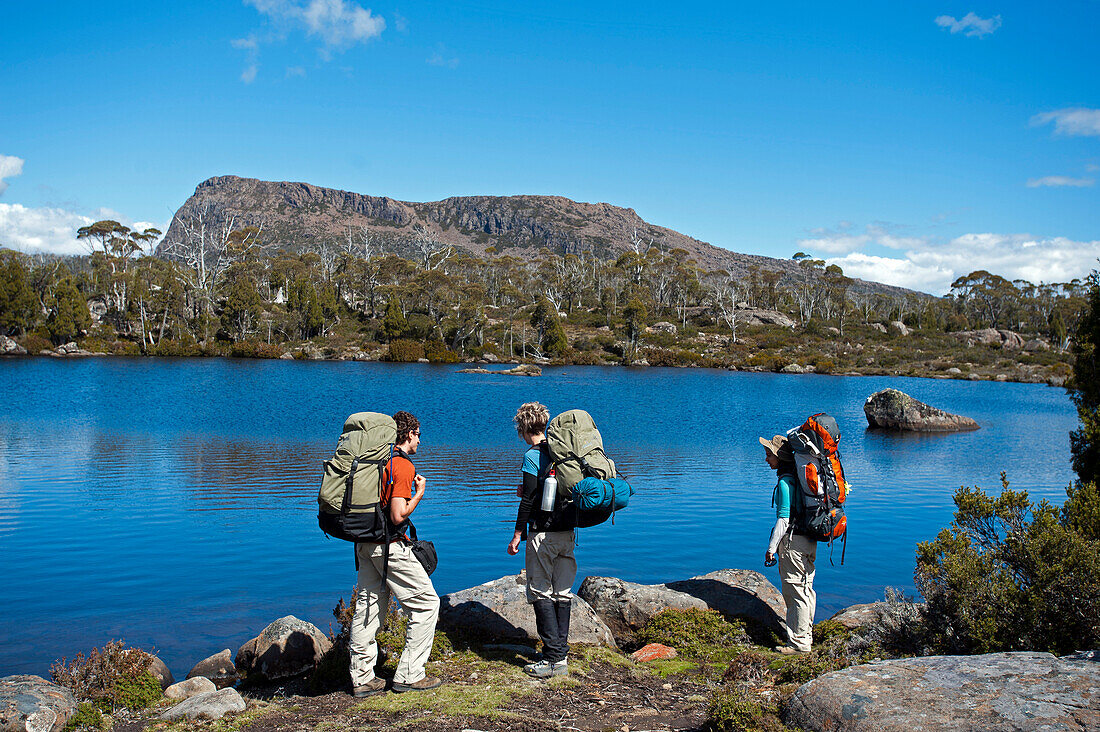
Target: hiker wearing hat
point(550, 564)
point(794, 551)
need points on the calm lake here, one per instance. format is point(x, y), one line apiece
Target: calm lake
point(173, 502)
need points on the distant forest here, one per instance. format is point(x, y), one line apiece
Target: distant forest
point(225, 292)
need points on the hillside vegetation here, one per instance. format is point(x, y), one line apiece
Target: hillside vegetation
point(231, 292)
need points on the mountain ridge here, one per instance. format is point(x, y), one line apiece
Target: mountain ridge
point(297, 215)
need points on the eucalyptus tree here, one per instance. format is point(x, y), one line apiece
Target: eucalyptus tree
point(19, 307)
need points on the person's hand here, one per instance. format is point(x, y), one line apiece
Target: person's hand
point(769, 559)
point(513, 546)
point(419, 482)
point(519, 491)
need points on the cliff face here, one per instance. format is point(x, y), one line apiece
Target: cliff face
point(300, 215)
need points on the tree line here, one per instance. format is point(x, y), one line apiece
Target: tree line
point(222, 284)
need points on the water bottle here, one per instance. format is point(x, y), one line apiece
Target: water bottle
point(549, 491)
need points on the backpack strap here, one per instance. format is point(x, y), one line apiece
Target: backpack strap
point(345, 505)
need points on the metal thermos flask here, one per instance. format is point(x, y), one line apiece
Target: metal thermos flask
point(549, 491)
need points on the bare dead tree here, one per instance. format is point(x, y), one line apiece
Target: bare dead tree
point(430, 252)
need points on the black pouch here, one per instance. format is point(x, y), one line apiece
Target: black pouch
point(424, 551)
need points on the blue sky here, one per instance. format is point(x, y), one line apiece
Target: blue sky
point(909, 142)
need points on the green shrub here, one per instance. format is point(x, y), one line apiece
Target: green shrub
point(768, 360)
point(670, 357)
point(255, 349)
point(828, 631)
point(137, 692)
point(693, 632)
point(747, 666)
point(584, 358)
point(112, 677)
point(186, 347)
point(404, 351)
point(86, 716)
point(34, 343)
point(437, 352)
point(735, 708)
point(1010, 575)
point(802, 667)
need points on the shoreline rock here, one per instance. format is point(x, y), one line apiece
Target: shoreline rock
point(996, 691)
point(29, 703)
point(896, 410)
point(627, 606)
point(287, 647)
point(499, 609)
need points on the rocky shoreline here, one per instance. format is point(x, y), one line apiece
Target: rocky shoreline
point(518, 367)
point(262, 686)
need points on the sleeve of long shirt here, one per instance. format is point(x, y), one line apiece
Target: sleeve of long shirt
point(526, 502)
point(782, 500)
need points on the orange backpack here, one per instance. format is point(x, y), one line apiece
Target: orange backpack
point(821, 480)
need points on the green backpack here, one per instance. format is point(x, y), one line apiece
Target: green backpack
point(351, 487)
point(576, 450)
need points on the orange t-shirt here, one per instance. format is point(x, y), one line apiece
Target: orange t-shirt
point(403, 473)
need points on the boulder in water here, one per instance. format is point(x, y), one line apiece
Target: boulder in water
point(896, 410)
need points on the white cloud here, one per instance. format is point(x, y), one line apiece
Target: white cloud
point(1059, 181)
point(970, 24)
point(32, 230)
point(10, 166)
point(295, 71)
point(338, 23)
point(843, 241)
point(932, 267)
point(1074, 121)
point(442, 58)
point(53, 230)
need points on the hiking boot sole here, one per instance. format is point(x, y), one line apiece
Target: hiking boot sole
point(402, 688)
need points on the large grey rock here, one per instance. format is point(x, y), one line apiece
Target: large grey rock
point(209, 705)
point(627, 606)
point(900, 327)
point(8, 347)
point(893, 409)
point(757, 316)
point(219, 668)
point(1006, 339)
point(997, 691)
point(32, 704)
point(286, 647)
point(160, 672)
point(662, 327)
point(189, 687)
point(499, 610)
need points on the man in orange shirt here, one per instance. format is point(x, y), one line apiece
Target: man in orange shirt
point(405, 579)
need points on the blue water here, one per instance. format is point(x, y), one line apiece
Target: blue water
point(173, 502)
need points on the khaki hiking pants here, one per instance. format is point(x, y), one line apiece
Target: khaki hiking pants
point(407, 581)
point(551, 566)
point(796, 570)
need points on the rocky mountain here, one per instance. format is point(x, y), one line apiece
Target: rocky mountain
point(300, 215)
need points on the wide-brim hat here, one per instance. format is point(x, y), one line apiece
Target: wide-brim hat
point(775, 444)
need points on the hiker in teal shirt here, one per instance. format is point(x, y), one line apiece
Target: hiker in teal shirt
point(791, 548)
point(549, 560)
